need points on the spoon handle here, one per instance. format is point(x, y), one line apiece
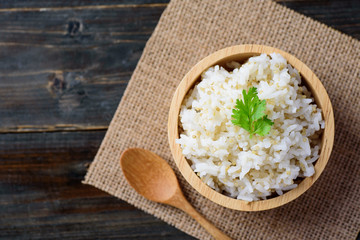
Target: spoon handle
point(181, 203)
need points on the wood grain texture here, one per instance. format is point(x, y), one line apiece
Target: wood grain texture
point(62, 74)
point(71, 69)
point(241, 53)
point(81, 3)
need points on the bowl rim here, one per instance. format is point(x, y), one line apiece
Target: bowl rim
point(321, 97)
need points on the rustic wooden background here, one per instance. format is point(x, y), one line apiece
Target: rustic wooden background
point(64, 66)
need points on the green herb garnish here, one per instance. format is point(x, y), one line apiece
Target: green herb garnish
point(250, 114)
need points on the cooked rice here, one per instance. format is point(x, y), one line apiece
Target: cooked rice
point(224, 156)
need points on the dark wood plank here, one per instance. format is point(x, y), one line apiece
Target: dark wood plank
point(69, 67)
point(41, 195)
point(60, 3)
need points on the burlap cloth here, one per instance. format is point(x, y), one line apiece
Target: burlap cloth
point(189, 31)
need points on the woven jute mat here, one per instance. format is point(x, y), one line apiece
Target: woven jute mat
point(187, 32)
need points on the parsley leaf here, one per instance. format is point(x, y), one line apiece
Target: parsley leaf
point(250, 114)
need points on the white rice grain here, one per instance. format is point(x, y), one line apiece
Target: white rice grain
point(224, 156)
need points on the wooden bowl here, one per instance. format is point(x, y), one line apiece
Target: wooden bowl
point(241, 53)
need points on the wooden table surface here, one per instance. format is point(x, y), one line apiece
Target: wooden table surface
point(64, 66)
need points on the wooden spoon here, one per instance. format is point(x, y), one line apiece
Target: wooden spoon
point(152, 177)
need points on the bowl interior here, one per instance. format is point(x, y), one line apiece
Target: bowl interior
point(240, 54)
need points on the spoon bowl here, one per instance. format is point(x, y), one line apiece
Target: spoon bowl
point(152, 177)
point(149, 174)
